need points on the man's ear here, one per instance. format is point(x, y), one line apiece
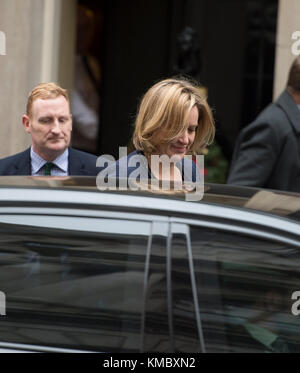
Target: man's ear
point(71, 118)
point(26, 123)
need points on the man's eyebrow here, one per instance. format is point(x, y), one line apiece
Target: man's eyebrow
point(45, 117)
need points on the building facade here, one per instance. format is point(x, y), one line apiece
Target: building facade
point(239, 50)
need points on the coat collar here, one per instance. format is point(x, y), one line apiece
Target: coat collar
point(22, 163)
point(289, 106)
point(76, 165)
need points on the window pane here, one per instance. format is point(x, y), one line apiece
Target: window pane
point(186, 337)
point(73, 289)
point(245, 287)
point(156, 334)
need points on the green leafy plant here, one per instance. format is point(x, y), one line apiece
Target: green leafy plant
point(215, 164)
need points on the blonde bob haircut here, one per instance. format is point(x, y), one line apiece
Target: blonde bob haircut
point(45, 91)
point(165, 109)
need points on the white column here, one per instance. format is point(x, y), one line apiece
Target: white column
point(287, 24)
point(39, 42)
point(58, 45)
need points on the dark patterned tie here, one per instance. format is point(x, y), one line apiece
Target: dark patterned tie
point(48, 167)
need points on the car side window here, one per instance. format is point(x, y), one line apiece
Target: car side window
point(156, 333)
point(75, 289)
point(245, 285)
point(184, 320)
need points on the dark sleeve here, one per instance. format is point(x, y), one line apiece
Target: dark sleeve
point(189, 170)
point(255, 155)
point(196, 173)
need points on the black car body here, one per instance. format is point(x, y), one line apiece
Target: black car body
point(122, 271)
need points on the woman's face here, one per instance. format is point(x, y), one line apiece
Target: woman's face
point(180, 146)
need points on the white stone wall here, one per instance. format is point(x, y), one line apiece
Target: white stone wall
point(33, 53)
point(288, 23)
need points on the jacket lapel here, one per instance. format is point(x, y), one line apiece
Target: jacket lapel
point(76, 167)
point(287, 103)
point(22, 163)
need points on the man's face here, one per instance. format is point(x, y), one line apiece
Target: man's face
point(50, 126)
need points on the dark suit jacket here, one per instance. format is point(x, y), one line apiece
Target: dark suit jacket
point(267, 152)
point(80, 164)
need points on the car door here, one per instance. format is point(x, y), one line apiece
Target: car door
point(246, 274)
point(83, 280)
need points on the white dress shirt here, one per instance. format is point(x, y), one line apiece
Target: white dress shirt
point(60, 167)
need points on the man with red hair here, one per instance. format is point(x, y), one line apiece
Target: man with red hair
point(48, 120)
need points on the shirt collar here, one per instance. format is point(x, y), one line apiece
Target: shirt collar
point(37, 162)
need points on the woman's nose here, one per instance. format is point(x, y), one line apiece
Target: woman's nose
point(184, 138)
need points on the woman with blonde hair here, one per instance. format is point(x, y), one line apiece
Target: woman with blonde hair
point(173, 120)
